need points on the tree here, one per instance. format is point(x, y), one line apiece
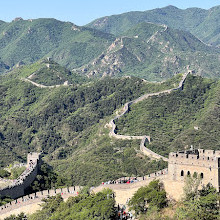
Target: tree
point(149, 197)
point(202, 205)
point(191, 187)
point(49, 206)
point(86, 205)
point(4, 173)
point(20, 216)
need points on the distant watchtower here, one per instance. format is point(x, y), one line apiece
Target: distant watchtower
point(203, 163)
point(33, 157)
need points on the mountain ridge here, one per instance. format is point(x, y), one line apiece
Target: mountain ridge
point(187, 19)
point(151, 51)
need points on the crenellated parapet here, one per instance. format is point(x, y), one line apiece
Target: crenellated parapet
point(200, 157)
point(201, 163)
point(16, 189)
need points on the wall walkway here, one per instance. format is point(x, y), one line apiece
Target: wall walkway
point(35, 198)
point(16, 189)
point(144, 138)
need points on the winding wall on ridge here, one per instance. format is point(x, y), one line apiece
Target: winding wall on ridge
point(143, 138)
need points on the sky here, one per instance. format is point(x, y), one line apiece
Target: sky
point(82, 12)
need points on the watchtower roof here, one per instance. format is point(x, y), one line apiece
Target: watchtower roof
point(197, 153)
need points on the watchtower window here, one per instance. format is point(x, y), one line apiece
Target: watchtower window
point(188, 173)
point(201, 175)
point(182, 173)
point(208, 158)
point(195, 174)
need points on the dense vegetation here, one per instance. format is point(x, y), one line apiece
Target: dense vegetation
point(50, 73)
point(67, 123)
point(84, 206)
point(170, 119)
point(26, 41)
point(202, 23)
point(46, 179)
point(151, 197)
point(70, 123)
point(146, 50)
point(150, 202)
point(155, 52)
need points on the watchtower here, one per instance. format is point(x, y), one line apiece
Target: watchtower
point(203, 163)
point(33, 158)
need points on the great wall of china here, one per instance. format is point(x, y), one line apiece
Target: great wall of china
point(123, 191)
point(144, 138)
point(19, 204)
point(16, 189)
point(43, 86)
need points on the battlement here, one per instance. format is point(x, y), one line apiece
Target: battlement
point(190, 156)
point(200, 162)
point(16, 189)
point(33, 157)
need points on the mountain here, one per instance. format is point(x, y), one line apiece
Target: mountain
point(27, 41)
point(178, 120)
point(68, 123)
point(154, 52)
point(204, 24)
point(151, 51)
point(46, 72)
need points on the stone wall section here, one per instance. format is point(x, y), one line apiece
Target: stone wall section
point(144, 138)
point(37, 197)
point(16, 189)
point(202, 163)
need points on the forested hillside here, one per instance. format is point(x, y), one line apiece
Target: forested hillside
point(204, 24)
point(63, 122)
point(26, 41)
point(178, 120)
point(69, 124)
point(152, 51)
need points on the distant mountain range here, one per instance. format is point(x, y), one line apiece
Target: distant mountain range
point(26, 41)
point(154, 44)
point(204, 24)
point(154, 52)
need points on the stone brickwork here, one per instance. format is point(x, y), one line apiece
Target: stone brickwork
point(10, 208)
point(16, 189)
point(203, 163)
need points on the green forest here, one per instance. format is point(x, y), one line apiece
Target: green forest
point(61, 85)
point(178, 120)
point(68, 125)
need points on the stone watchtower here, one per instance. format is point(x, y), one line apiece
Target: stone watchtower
point(33, 157)
point(203, 163)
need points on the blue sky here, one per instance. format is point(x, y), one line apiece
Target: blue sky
point(82, 12)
